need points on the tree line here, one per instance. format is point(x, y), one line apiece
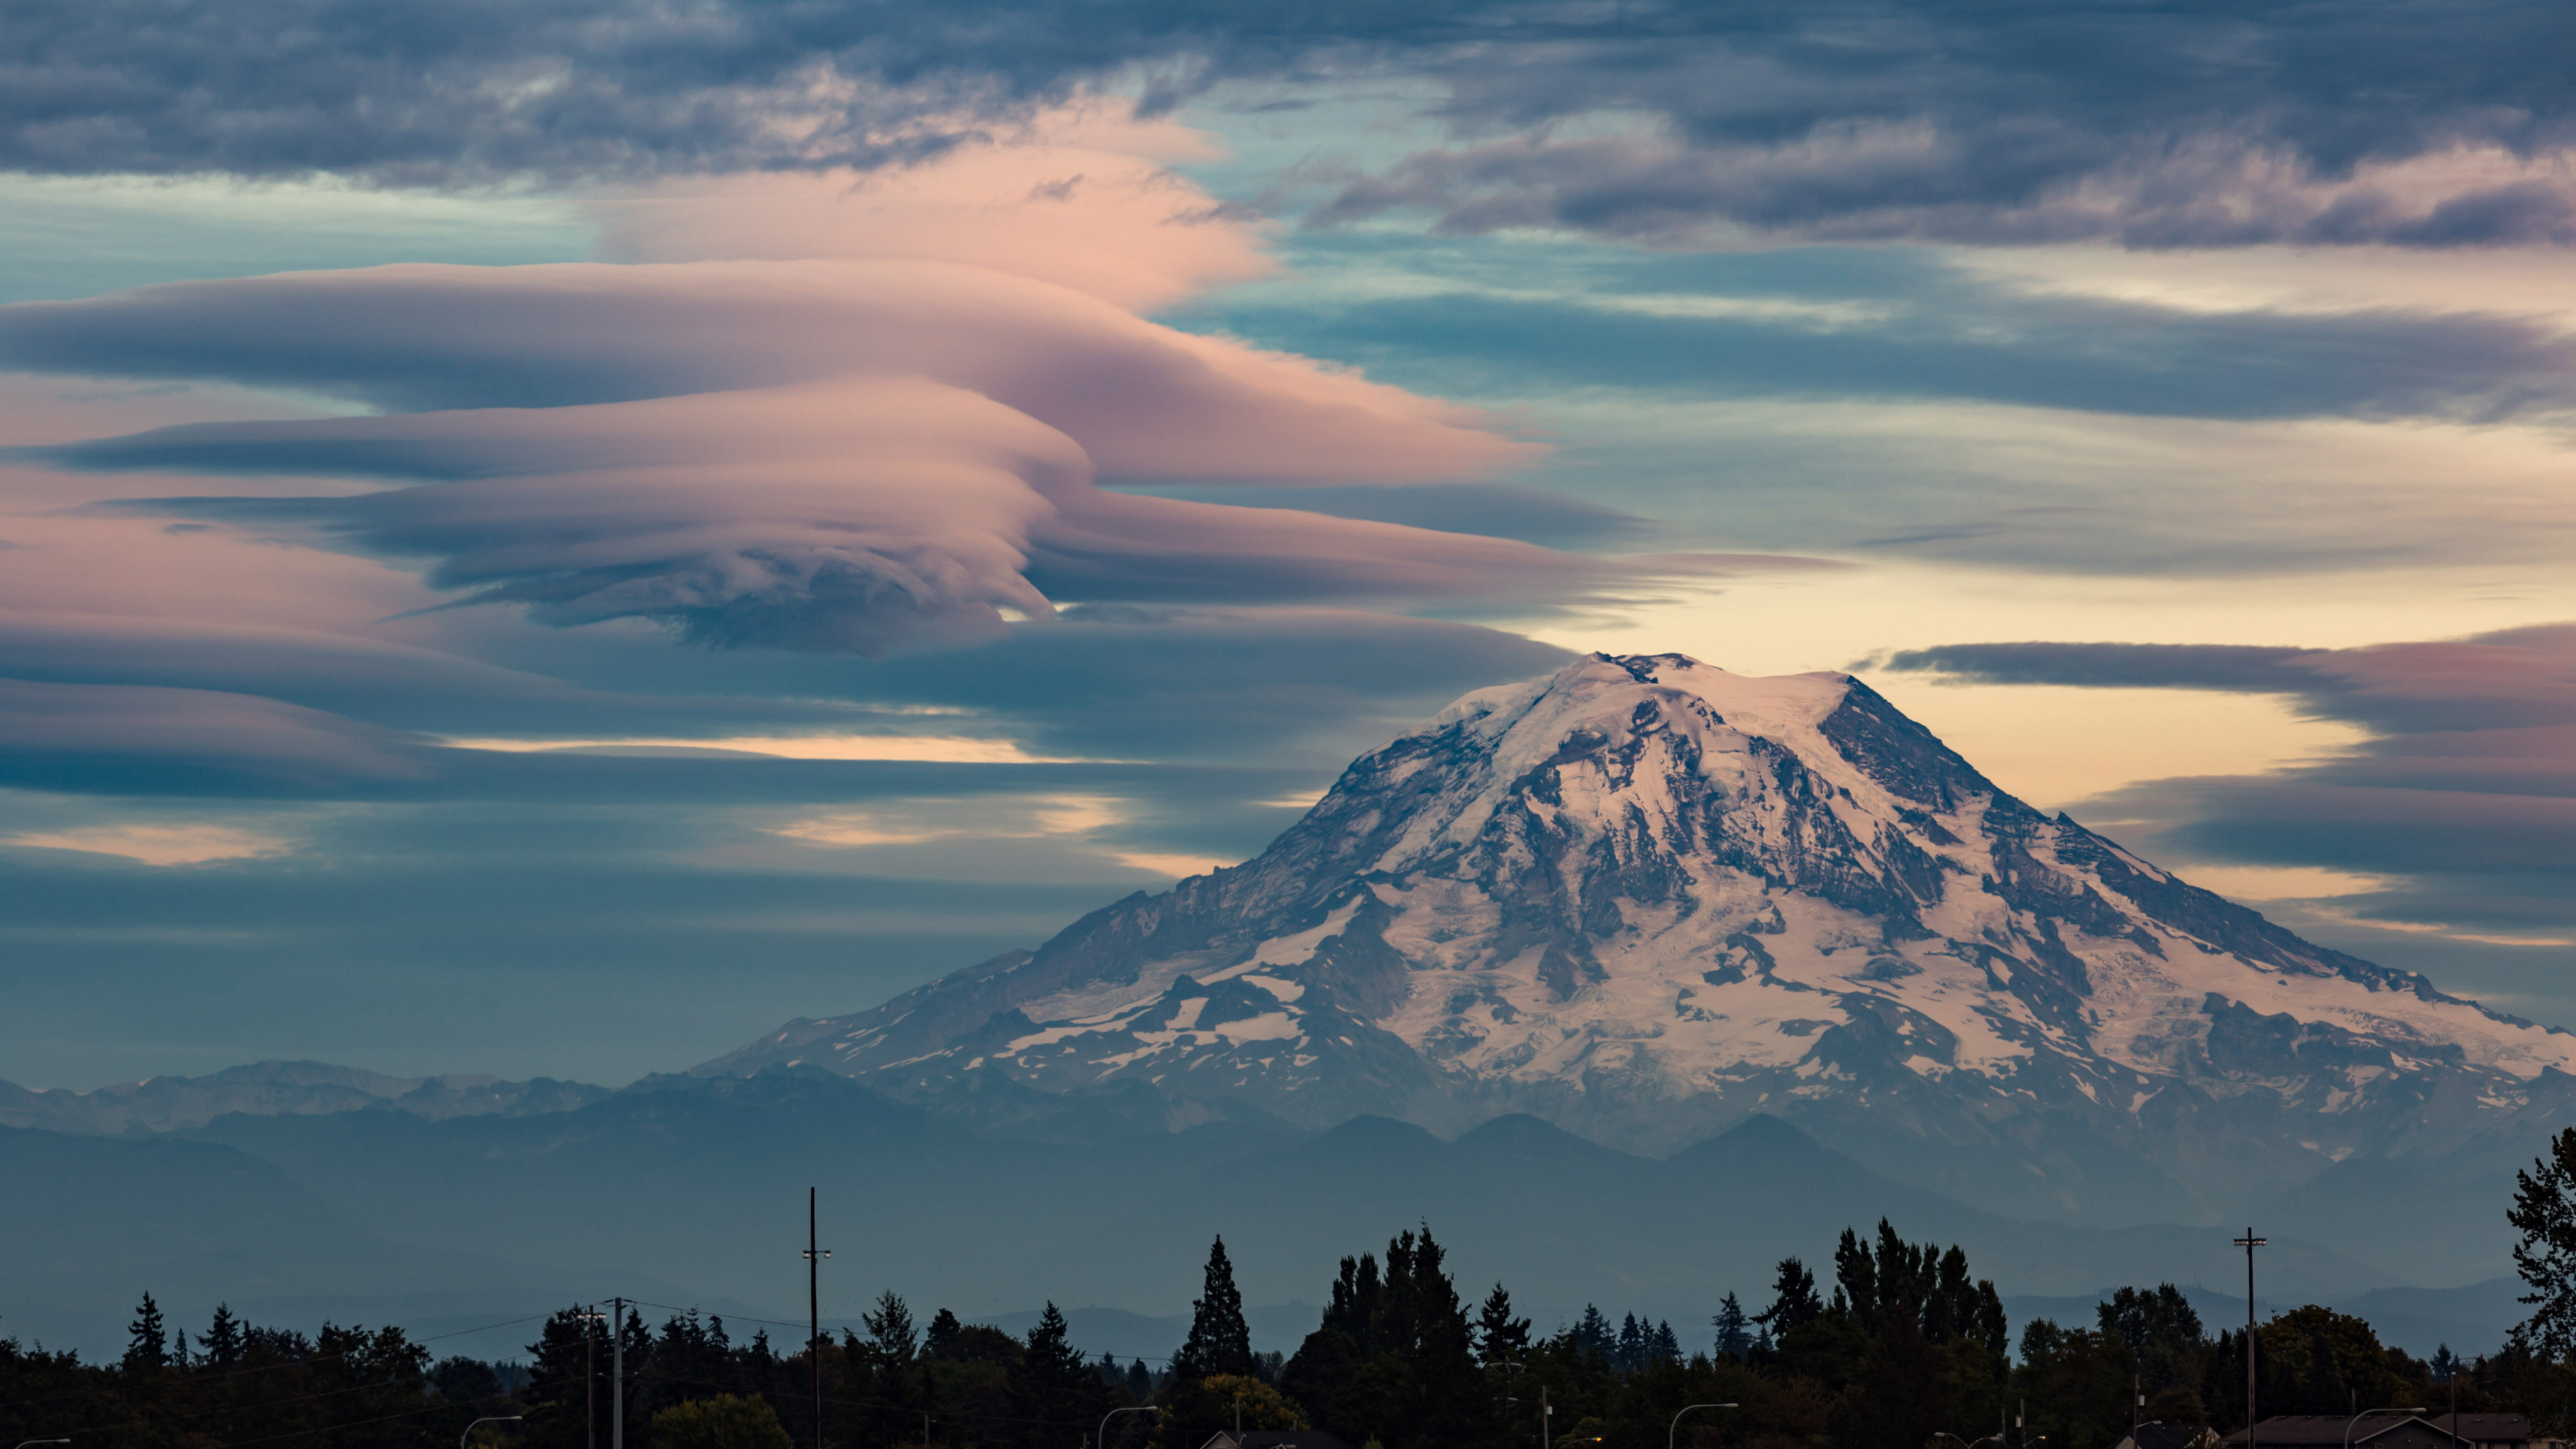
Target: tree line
point(1902, 1344)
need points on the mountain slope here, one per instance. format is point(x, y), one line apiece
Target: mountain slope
point(162, 1104)
point(1646, 898)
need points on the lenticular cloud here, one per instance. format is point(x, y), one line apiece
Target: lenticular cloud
point(848, 452)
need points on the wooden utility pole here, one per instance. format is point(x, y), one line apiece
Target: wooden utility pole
point(617, 1374)
point(814, 1257)
point(2249, 1243)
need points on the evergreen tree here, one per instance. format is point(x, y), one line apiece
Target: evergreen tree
point(1501, 1338)
point(1663, 1346)
point(2544, 1212)
point(1593, 1335)
point(1140, 1382)
point(1734, 1338)
point(146, 1347)
point(2444, 1364)
point(222, 1340)
point(1220, 1342)
point(1794, 1303)
point(1629, 1353)
point(1053, 1385)
point(1394, 1358)
point(889, 1327)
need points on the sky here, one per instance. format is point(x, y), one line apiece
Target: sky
point(551, 538)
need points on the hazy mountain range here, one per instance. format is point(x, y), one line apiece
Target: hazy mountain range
point(1629, 981)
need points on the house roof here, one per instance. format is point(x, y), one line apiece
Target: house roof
point(2304, 1429)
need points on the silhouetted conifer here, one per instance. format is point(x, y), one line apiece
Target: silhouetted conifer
point(145, 1346)
point(1734, 1336)
point(1220, 1342)
point(1501, 1338)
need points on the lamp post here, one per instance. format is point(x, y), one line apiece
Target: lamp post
point(2364, 1414)
point(1675, 1426)
point(42, 1441)
point(469, 1429)
point(1103, 1441)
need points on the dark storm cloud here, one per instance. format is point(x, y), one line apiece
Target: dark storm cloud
point(2466, 788)
point(2151, 126)
point(2148, 126)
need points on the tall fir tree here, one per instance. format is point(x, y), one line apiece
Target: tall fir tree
point(1220, 1342)
point(1794, 1302)
point(1663, 1345)
point(1734, 1333)
point(890, 1332)
point(222, 1340)
point(1593, 1334)
point(2544, 1212)
point(1501, 1338)
point(1629, 1353)
point(147, 1345)
point(1052, 1384)
point(1395, 1357)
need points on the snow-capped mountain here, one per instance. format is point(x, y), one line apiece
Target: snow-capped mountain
point(1645, 898)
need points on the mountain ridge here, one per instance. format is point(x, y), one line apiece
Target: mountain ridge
point(1644, 898)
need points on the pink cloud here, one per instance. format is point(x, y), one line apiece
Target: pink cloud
point(159, 740)
point(837, 416)
point(1082, 198)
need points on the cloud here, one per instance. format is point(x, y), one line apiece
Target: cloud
point(1081, 196)
point(163, 845)
point(420, 338)
point(138, 739)
point(2332, 124)
point(1907, 326)
point(856, 453)
point(2464, 795)
point(2413, 124)
point(2488, 685)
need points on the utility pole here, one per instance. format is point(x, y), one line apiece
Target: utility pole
point(617, 1376)
point(814, 1257)
point(590, 1377)
point(2249, 1243)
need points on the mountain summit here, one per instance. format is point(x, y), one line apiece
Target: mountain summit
point(1645, 898)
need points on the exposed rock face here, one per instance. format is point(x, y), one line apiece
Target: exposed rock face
point(1644, 898)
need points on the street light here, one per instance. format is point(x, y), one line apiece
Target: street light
point(2347, 1424)
point(1103, 1441)
point(43, 1441)
point(1675, 1426)
point(469, 1429)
